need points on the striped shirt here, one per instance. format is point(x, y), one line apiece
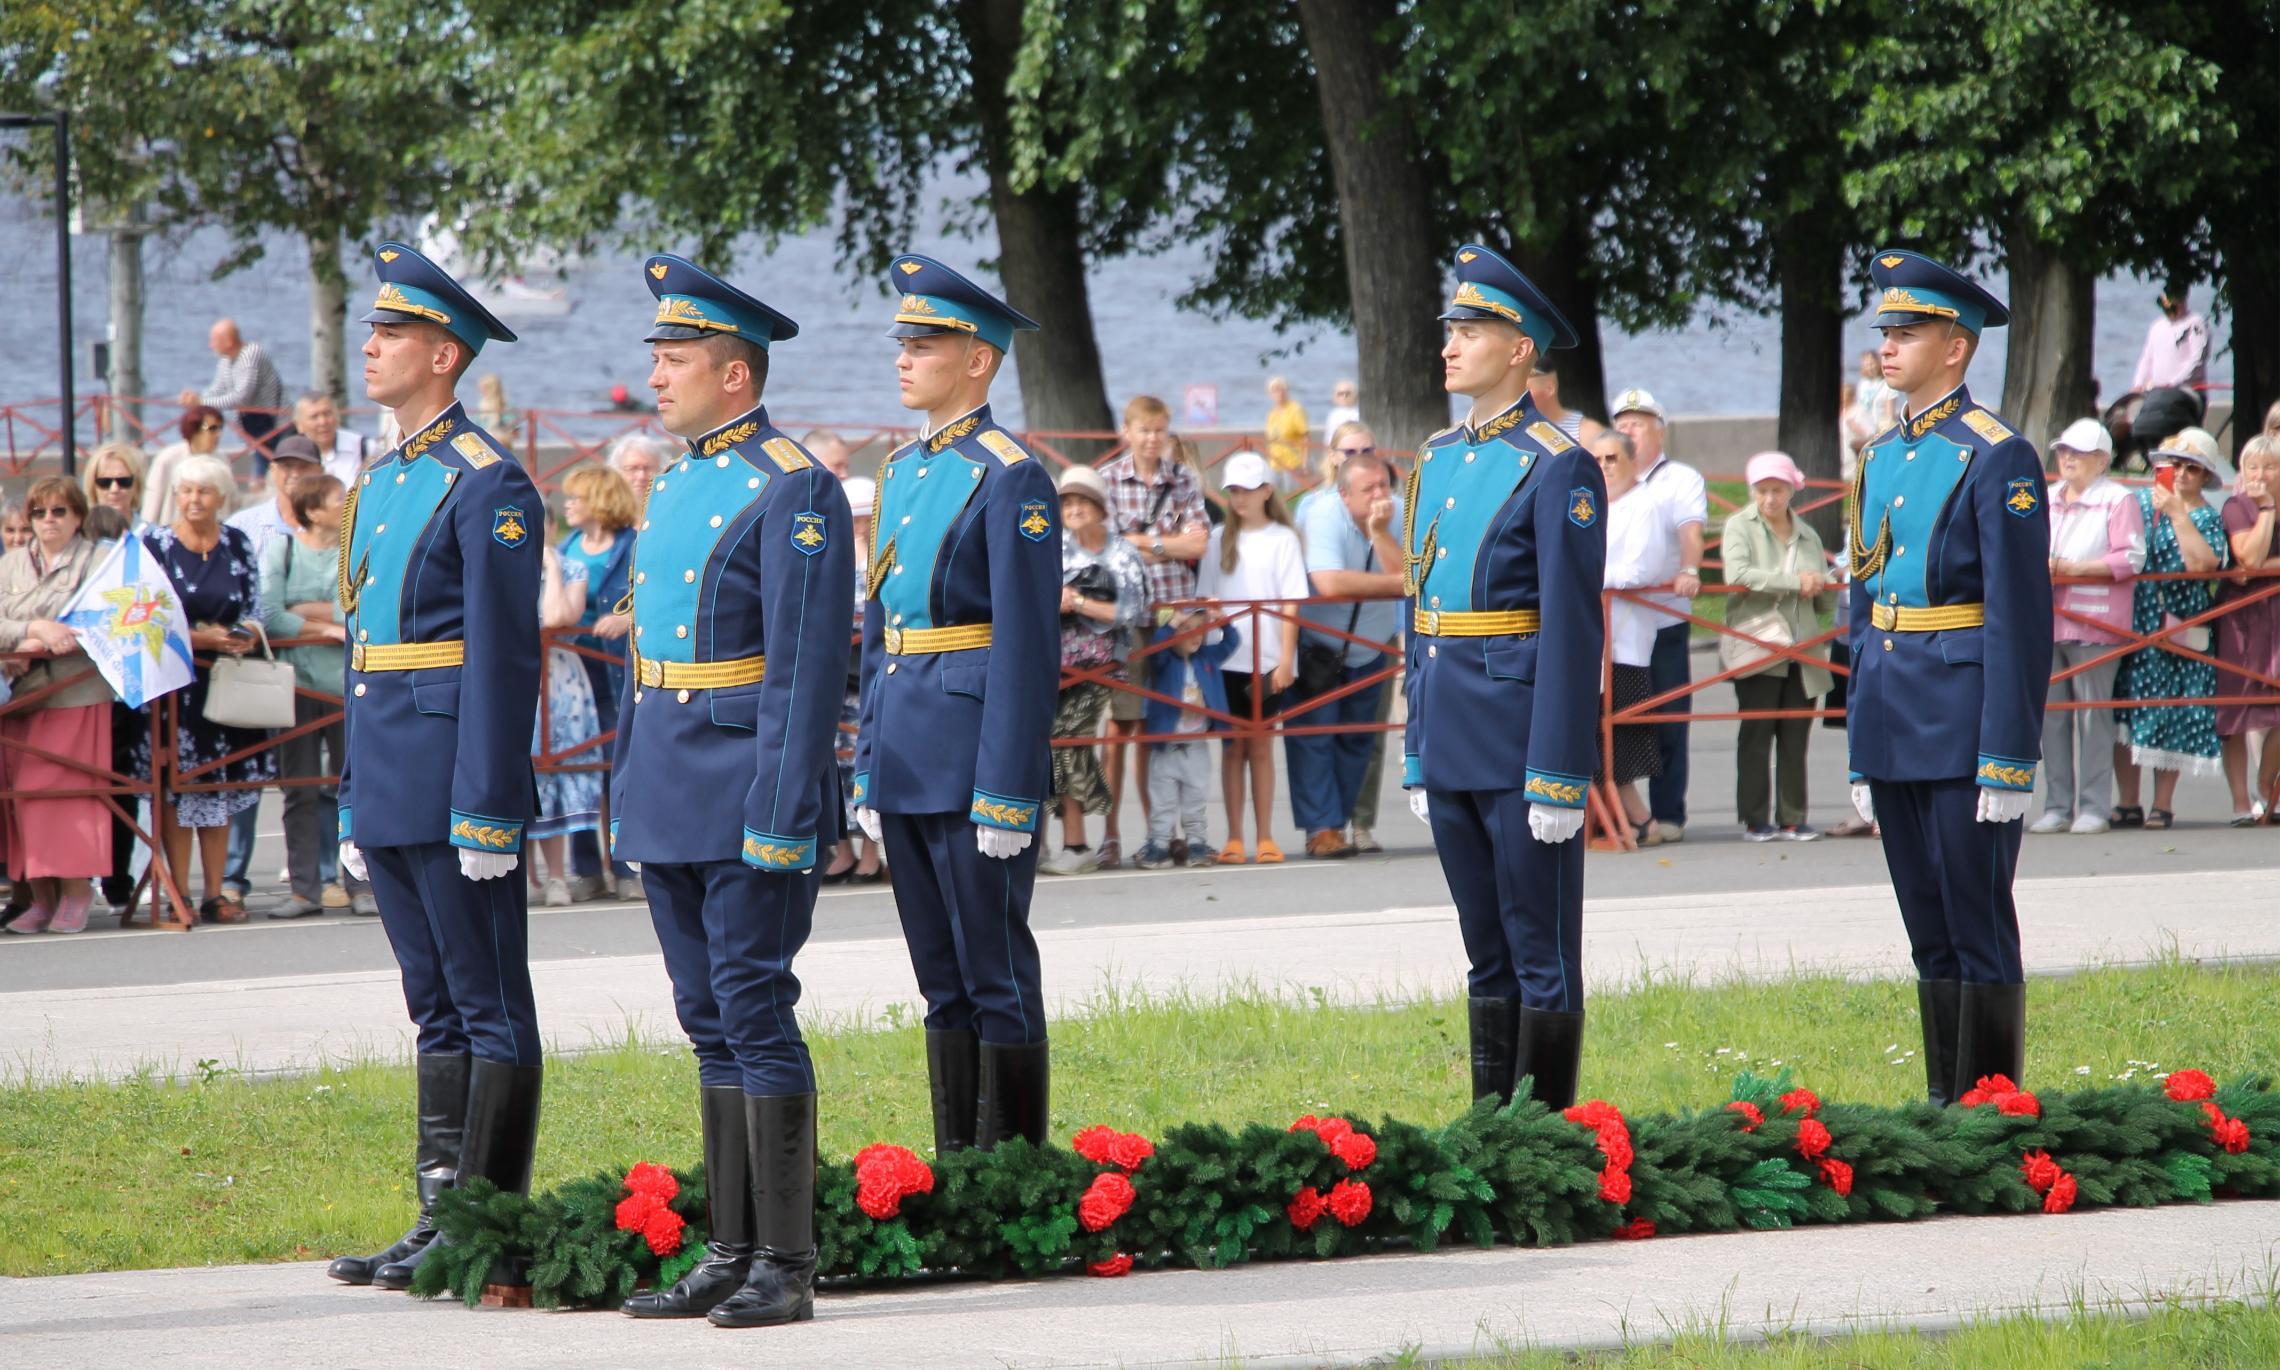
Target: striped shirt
point(245, 381)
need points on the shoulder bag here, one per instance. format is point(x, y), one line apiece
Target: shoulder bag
point(250, 692)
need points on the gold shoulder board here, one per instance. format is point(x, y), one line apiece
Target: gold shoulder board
point(1986, 425)
point(786, 454)
point(1551, 439)
point(477, 451)
point(1008, 451)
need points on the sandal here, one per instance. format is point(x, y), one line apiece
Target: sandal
point(210, 909)
point(2127, 816)
point(1111, 855)
point(2160, 820)
point(1232, 853)
point(1269, 853)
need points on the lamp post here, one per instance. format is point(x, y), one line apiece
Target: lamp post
point(61, 122)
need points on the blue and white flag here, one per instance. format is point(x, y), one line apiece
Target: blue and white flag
point(131, 624)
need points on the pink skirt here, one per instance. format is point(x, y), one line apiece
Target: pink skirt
point(57, 838)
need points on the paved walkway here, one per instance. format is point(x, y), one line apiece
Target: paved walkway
point(1343, 1312)
point(282, 1023)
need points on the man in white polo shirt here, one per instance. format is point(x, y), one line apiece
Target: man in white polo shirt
point(1679, 491)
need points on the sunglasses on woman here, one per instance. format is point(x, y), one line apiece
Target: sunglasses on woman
point(59, 511)
point(114, 482)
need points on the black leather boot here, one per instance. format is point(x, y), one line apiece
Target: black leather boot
point(1550, 1053)
point(728, 1198)
point(1938, 1004)
point(1015, 1092)
point(1991, 1035)
point(953, 1063)
point(435, 1164)
point(1494, 1024)
point(780, 1286)
point(501, 1134)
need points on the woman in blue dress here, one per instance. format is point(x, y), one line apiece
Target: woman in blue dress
point(2183, 532)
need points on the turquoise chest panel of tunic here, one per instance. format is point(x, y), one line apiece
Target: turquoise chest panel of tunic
point(395, 503)
point(1460, 489)
point(920, 500)
point(1904, 485)
point(692, 505)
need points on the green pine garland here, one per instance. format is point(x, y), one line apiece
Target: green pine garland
point(1209, 1198)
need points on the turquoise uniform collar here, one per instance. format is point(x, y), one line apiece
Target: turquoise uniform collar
point(713, 441)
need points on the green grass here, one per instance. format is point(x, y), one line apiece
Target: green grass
point(2184, 1336)
point(146, 1173)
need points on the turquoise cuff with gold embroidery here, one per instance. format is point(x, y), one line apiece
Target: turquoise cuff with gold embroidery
point(1412, 770)
point(860, 788)
point(999, 811)
point(476, 832)
point(2006, 773)
point(613, 831)
point(1557, 790)
point(344, 827)
point(774, 852)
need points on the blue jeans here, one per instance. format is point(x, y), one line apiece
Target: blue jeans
point(241, 849)
point(1326, 769)
point(1668, 669)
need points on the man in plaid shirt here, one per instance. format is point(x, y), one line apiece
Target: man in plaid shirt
point(1155, 502)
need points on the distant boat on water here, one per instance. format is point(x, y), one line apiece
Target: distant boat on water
point(533, 290)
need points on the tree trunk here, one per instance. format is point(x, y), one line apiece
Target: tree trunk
point(126, 379)
point(1557, 267)
point(2252, 289)
point(328, 319)
point(1385, 225)
point(1041, 257)
point(1809, 264)
point(2047, 380)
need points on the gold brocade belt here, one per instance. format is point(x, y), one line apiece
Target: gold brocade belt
point(913, 641)
point(1894, 618)
point(1477, 623)
point(699, 675)
point(406, 656)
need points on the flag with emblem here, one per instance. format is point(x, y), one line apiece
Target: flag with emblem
point(130, 623)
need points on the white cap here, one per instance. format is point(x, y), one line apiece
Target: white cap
point(1245, 470)
point(2195, 445)
point(1637, 400)
point(862, 495)
point(2087, 435)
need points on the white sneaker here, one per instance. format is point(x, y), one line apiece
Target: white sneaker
point(2089, 823)
point(2054, 821)
point(1068, 862)
point(558, 893)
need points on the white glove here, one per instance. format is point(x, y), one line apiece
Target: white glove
point(486, 865)
point(1554, 825)
point(1418, 806)
point(1000, 842)
point(1863, 804)
point(2003, 806)
point(352, 861)
point(868, 820)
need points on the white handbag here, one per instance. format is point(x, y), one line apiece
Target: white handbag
point(249, 692)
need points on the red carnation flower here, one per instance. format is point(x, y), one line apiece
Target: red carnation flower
point(1109, 1196)
point(1305, 1208)
point(2061, 1196)
point(1593, 1113)
point(651, 1178)
point(2232, 1135)
point(633, 1211)
point(1838, 1174)
point(2018, 1105)
point(878, 1199)
point(885, 1175)
point(1356, 1149)
point(1331, 1129)
point(1801, 1101)
point(2187, 1085)
point(1129, 1149)
point(1306, 1124)
point(1615, 1185)
point(1118, 1264)
point(1989, 1088)
point(663, 1231)
point(1617, 1147)
point(1348, 1202)
point(2041, 1171)
point(1093, 1143)
point(1753, 1117)
point(1637, 1230)
point(1812, 1138)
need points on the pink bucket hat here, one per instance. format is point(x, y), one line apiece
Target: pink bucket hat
point(1774, 466)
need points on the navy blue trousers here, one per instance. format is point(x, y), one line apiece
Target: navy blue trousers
point(966, 918)
point(1952, 875)
point(1326, 769)
point(464, 948)
point(729, 933)
point(1668, 668)
point(1519, 901)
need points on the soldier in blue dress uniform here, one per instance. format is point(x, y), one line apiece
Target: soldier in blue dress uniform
point(961, 669)
point(1505, 536)
point(1950, 639)
point(439, 586)
point(726, 782)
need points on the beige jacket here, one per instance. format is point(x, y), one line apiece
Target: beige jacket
point(1754, 558)
point(26, 594)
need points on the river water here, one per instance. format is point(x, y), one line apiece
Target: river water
point(839, 370)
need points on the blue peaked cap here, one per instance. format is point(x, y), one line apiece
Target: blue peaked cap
point(416, 290)
point(694, 303)
point(931, 298)
point(1489, 287)
point(1912, 288)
